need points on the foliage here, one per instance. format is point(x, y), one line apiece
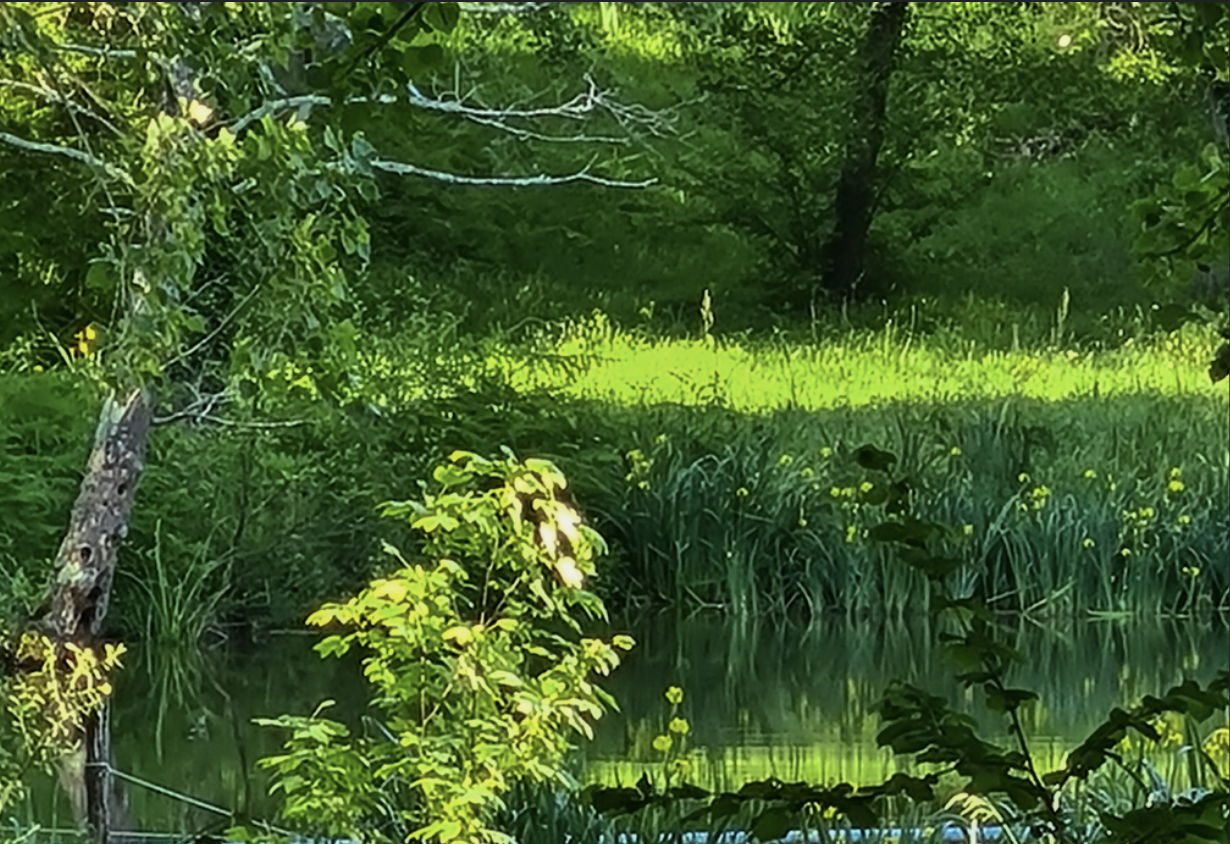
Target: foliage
point(44, 436)
point(48, 691)
point(924, 726)
point(1185, 223)
point(291, 505)
point(476, 656)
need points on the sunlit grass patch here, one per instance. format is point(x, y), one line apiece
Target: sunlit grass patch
point(860, 368)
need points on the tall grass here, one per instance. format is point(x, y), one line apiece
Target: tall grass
point(1064, 508)
point(182, 594)
point(1054, 451)
point(708, 416)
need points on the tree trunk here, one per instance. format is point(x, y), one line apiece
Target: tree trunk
point(843, 254)
point(96, 797)
point(81, 592)
point(85, 563)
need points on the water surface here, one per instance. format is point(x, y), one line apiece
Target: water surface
point(761, 699)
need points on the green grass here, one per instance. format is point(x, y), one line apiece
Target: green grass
point(858, 369)
point(767, 514)
point(701, 460)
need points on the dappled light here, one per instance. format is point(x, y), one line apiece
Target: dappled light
point(597, 423)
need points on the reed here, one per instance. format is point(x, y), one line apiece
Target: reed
point(182, 600)
point(1093, 506)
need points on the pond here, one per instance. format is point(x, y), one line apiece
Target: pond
point(762, 699)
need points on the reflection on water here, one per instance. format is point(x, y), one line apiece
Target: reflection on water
point(768, 699)
point(796, 702)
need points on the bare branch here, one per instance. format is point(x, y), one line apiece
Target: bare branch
point(575, 108)
point(276, 106)
point(501, 8)
point(97, 52)
point(204, 341)
point(580, 107)
point(67, 152)
point(202, 406)
point(261, 426)
point(205, 406)
point(55, 97)
point(506, 181)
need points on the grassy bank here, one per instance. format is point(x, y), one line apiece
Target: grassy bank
point(1083, 476)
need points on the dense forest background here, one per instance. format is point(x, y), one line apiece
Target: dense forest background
point(743, 170)
point(1015, 140)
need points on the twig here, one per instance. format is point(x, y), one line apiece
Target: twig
point(275, 106)
point(506, 181)
point(184, 355)
point(97, 52)
point(578, 108)
point(67, 152)
point(502, 8)
point(55, 97)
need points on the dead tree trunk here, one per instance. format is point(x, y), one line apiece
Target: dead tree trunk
point(844, 253)
point(85, 563)
point(81, 591)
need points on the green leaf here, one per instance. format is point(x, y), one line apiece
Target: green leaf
point(101, 276)
point(870, 457)
point(772, 824)
point(415, 61)
point(442, 17)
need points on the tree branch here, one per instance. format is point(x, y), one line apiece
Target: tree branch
point(275, 106)
point(502, 8)
point(506, 181)
point(55, 97)
point(578, 108)
point(97, 52)
point(67, 152)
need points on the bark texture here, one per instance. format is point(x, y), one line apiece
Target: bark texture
point(81, 592)
point(85, 563)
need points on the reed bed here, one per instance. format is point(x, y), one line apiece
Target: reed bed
point(1082, 477)
point(1114, 506)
